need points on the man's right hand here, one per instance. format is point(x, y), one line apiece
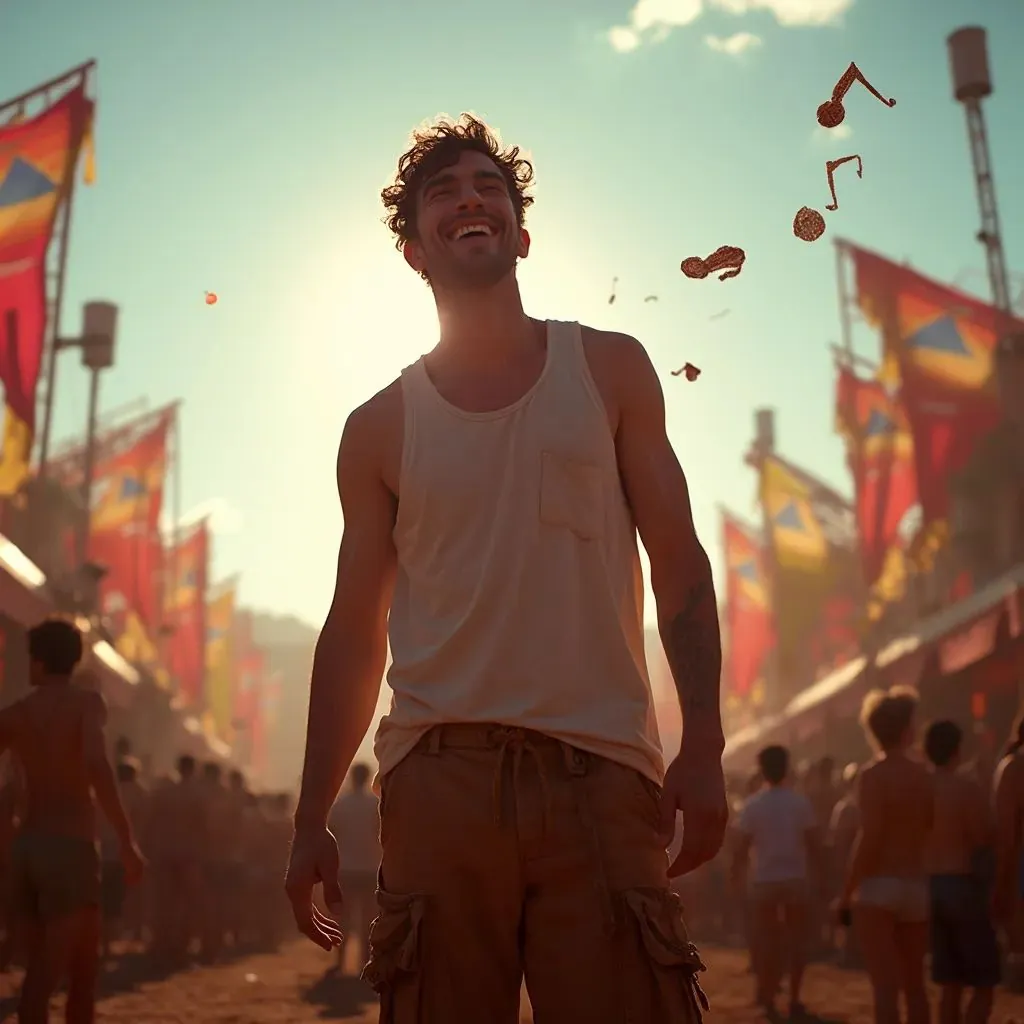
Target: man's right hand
point(314, 858)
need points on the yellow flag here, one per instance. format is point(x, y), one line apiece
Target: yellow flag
point(220, 674)
point(797, 536)
point(16, 454)
point(89, 154)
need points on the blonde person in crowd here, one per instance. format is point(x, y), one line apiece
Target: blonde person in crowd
point(886, 883)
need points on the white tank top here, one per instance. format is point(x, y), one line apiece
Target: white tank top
point(519, 594)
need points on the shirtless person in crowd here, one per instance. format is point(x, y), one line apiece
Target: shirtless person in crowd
point(886, 882)
point(355, 822)
point(180, 824)
point(492, 498)
point(965, 953)
point(779, 826)
point(57, 735)
point(1009, 884)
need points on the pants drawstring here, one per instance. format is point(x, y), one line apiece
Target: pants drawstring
point(516, 741)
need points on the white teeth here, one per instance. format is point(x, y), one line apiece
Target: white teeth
point(467, 228)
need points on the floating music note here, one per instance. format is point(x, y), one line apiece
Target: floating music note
point(611, 298)
point(832, 113)
point(729, 258)
point(651, 298)
point(691, 371)
point(808, 224)
point(211, 298)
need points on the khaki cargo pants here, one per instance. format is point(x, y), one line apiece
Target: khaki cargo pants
point(507, 854)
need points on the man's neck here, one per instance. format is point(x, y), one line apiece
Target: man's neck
point(55, 680)
point(483, 325)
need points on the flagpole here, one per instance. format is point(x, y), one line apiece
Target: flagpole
point(54, 320)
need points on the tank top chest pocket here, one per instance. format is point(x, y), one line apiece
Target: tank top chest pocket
point(571, 495)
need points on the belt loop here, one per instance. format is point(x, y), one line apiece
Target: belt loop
point(575, 761)
point(434, 741)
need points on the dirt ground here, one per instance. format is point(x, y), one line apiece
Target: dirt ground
point(293, 986)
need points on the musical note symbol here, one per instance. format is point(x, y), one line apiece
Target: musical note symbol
point(832, 113)
point(808, 224)
point(729, 258)
point(611, 298)
point(691, 371)
point(211, 298)
point(651, 298)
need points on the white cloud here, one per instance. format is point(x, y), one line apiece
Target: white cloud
point(790, 13)
point(222, 518)
point(652, 20)
point(826, 136)
point(734, 45)
point(623, 39)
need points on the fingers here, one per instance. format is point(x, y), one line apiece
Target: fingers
point(333, 897)
point(703, 836)
point(314, 925)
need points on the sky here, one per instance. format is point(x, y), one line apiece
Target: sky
point(242, 145)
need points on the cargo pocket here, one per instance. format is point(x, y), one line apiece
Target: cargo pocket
point(393, 968)
point(665, 987)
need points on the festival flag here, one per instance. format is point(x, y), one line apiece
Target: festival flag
point(38, 157)
point(816, 580)
point(124, 536)
point(128, 487)
point(939, 347)
point(748, 610)
point(880, 454)
point(186, 611)
point(220, 659)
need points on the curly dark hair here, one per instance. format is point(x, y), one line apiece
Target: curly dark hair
point(438, 146)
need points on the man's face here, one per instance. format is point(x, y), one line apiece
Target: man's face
point(468, 235)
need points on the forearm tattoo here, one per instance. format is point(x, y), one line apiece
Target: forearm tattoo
point(693, 646)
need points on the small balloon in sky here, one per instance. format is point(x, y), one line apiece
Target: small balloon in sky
point(211, 298)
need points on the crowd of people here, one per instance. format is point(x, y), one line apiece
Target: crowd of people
point(97, 858)
point(908, 863)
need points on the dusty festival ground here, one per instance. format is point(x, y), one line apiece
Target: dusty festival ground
point(292, 987)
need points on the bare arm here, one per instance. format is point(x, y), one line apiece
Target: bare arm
point(1007, 823)
point(352, 648)
point(680, 570)
point(864, 851)
point(101, 771)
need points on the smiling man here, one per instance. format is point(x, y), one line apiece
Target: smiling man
point(492, 498)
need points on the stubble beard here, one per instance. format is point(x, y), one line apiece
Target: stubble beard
point(475, 274)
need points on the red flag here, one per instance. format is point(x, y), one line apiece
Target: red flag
point(125, 525)
point(37, 163)
point(748, 606)
point(947, 424)
point(187, 609)
point(880, 453)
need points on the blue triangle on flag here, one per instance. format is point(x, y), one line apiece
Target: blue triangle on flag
point(23, 183)
point(878, 424)
point(940, 335)
point(131, 488)
point(747, 571)
point(789, 517)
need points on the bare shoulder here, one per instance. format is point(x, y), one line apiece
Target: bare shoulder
point(623, 372)
point(615, 352)
point(372, 439)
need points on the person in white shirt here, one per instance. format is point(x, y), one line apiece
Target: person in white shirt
point(355, 822)
point(778, 827)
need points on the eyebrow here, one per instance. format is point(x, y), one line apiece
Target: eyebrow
point(448, 178)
